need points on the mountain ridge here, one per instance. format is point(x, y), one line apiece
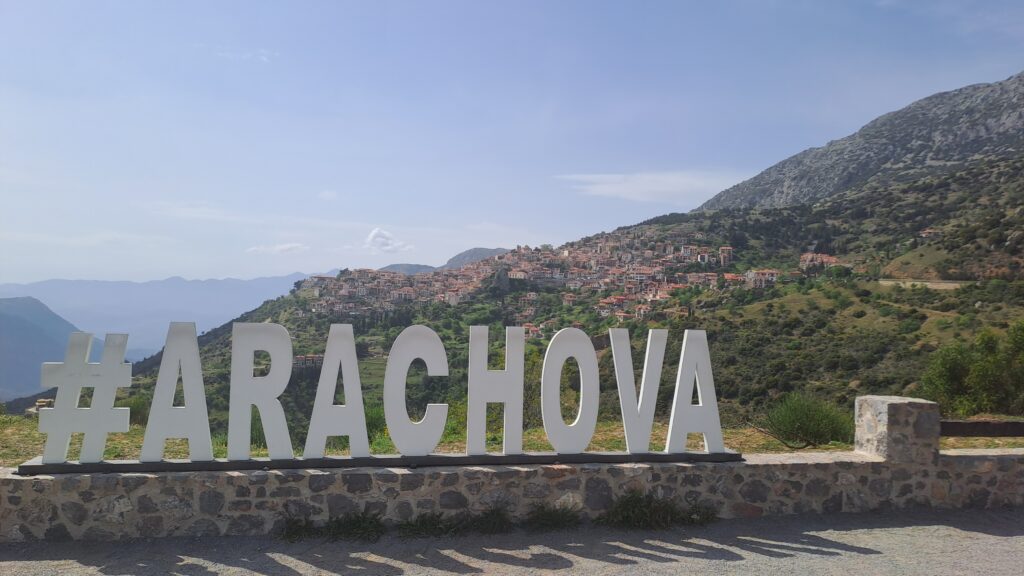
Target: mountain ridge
point(934, 135)
point(30, 334)
point(143, 309)
point(459, 260)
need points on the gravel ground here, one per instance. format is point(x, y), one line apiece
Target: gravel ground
point(961, 542)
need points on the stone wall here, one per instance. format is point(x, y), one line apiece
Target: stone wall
point(897, 465)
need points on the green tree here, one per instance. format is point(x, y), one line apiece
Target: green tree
point(985, 376)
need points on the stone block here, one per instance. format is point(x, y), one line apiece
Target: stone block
point(898, 430)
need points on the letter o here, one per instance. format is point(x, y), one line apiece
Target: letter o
point(569, 438)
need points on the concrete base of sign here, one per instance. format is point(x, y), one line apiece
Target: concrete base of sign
point(898, 465)
point(36, 466)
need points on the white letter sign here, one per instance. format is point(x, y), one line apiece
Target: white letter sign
point(330, 419)
point(499, 386)
point(569, 438)
point(485, 386)
point(262, 392)
point(638, 418)
point(414, 438)
point(702, 417)
point(191, 421)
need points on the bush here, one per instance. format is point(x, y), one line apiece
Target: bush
point(433, 524)
point(362, 526)
point(547, 517)
point(296, 529)
point(985, 376)
point(800, 420)
point(636, 510)
point(493, 521)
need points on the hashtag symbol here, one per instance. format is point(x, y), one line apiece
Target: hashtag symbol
point(100, 418)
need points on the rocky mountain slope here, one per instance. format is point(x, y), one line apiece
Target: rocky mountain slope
point(457, 261)
point(935, 135)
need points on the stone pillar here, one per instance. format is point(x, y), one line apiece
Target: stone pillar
point(900, 430)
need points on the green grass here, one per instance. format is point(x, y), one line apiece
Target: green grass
point(20, 440)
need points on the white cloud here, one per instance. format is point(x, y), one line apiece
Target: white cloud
point(384, 241)
point(686, 187)
point(286, 248)
point(261, 55)
point(327, 195)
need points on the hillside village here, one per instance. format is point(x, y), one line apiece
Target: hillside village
point(630, 270)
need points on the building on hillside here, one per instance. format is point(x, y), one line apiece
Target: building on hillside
point(761, 278)
point(308, 361)
point(813, 259)
point(725, 255)
point(452, 297)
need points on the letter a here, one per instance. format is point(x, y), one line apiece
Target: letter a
point(191, 421)
point(330, 419)
point(702, 417)
point(637, 416)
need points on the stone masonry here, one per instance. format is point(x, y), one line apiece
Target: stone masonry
point(897, 465)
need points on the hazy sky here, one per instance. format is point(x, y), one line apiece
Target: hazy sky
point(140, 140)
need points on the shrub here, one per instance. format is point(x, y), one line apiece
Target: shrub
point(493, 521)
point(636, 510)
point(985, 376)
point(433, 524)
point(296, 529)
point(547, 517)
point(800, 420)
point(363, 526)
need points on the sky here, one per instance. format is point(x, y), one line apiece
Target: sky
point(142, 140)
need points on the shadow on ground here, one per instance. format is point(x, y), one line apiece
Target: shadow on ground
point(724, 541)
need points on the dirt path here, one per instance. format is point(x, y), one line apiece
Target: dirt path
point(933, 284)
point(929, 543)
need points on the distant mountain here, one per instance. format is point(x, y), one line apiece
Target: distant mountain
point(472, 255)
point(937, 135)
point(458, 261)
point(30, 334)
point(144, 309)
point(408, 268)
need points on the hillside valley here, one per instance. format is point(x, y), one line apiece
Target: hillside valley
point(822, 291)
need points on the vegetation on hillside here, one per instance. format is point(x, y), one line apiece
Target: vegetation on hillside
point(828, 334)
point(983, 376)
point(833, 338)
point(962, 226)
